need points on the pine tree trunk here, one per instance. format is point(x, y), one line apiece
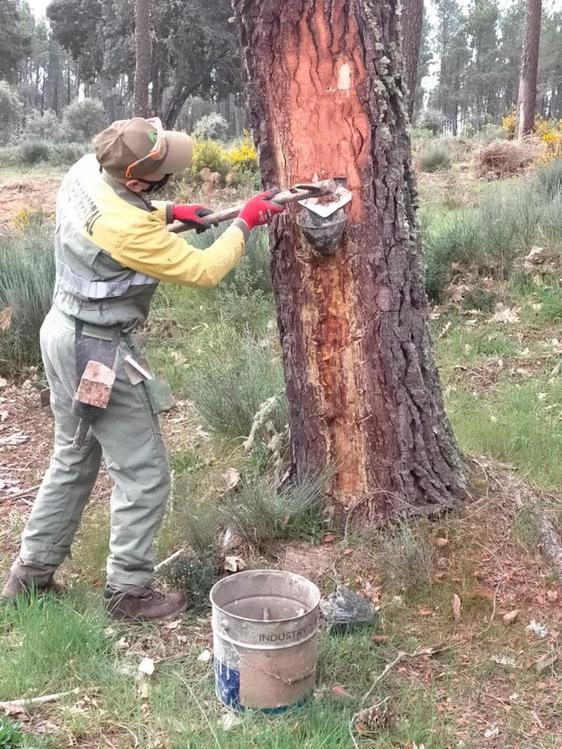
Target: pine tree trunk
point(412, 21)
point(326, 98)
point(529, 66)
point(143, 57)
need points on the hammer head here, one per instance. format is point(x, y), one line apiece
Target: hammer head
point(335, 188)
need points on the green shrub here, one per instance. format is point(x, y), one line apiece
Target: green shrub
point(407, 556)
point(211, 127)
point(11, 113)
point(435, 159)
point(232, 380)
point(10, 155)
point(451, 237)
point(208, 154)
point(195, 574)
point(27, 272)
point(480, 299)
point(468, 130)
point(260, 512)
point(43, 127)
point(490, 237)
point(490, 133)
point(84, 119)
point(34, 151)
point(420, 133)
point(550, 178)
point(11, 737)
point(244, 298)
point(431, 119)
point(67, 153)
point(550, 303)
point(253, 272)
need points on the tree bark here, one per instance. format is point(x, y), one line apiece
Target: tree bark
point(529, 66)
point(326, 98)
point(412, 21)
point(143, 57)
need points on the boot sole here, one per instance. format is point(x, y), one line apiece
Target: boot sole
point(121, 616)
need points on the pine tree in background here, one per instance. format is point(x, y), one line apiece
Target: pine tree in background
point(89, 47)
point(412, 22)
point(143, 57)
point(15, 39)
point(482, 94)
point(527, 98)
point(452, 49)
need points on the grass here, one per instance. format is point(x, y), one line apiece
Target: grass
point(408, 556)
point(236, 376)
point(220, 353)
point(516, 422)
point(63, 646)
point(11, 737)
point(489, 238)
point(26, 287)
point(66, 645)
point(550, 178)
point(261, 513)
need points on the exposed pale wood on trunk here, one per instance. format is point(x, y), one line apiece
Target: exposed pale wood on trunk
point(527, 98)
point(326, 97)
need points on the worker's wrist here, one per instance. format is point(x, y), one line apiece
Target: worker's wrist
point(239, 223)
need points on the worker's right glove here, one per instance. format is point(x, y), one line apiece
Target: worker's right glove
point(260, 209)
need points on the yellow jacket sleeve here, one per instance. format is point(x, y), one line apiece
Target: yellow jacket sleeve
point(160, 254)
point(163, 210)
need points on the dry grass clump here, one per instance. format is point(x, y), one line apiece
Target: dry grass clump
point(505, 158)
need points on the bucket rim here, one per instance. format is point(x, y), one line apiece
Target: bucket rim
point(302, 578)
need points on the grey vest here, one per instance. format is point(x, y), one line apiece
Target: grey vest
point(90, 285)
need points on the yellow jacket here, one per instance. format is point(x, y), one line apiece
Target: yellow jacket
point(112, 248)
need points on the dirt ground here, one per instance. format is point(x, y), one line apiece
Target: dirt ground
point(27, 195)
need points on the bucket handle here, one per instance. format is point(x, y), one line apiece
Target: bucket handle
point(289, 682)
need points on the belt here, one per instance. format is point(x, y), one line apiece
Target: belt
point(104, 332)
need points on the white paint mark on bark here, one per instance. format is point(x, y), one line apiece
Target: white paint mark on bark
point(344, 77)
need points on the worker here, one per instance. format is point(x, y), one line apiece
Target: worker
point(112, 247)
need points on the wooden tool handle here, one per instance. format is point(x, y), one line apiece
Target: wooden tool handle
point(291, 195)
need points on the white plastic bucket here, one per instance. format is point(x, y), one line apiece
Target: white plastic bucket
point(265, 625)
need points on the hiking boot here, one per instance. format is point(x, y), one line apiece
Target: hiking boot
point(143, 603)
point(25, 579)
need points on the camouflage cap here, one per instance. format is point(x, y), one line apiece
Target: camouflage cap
point(126, 142)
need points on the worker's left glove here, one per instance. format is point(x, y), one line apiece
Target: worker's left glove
point(191, 215)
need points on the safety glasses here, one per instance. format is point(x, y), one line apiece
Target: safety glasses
point(158, 149)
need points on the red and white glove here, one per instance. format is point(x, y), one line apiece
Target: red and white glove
point(260, 209)
point(191, 215)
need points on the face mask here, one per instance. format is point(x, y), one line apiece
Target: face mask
point(156, 184)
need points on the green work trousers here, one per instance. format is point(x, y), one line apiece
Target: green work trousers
point(127, 435)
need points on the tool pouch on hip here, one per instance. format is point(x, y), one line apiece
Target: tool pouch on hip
point(159, 394)
point(95, 375)
point(137, 369)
